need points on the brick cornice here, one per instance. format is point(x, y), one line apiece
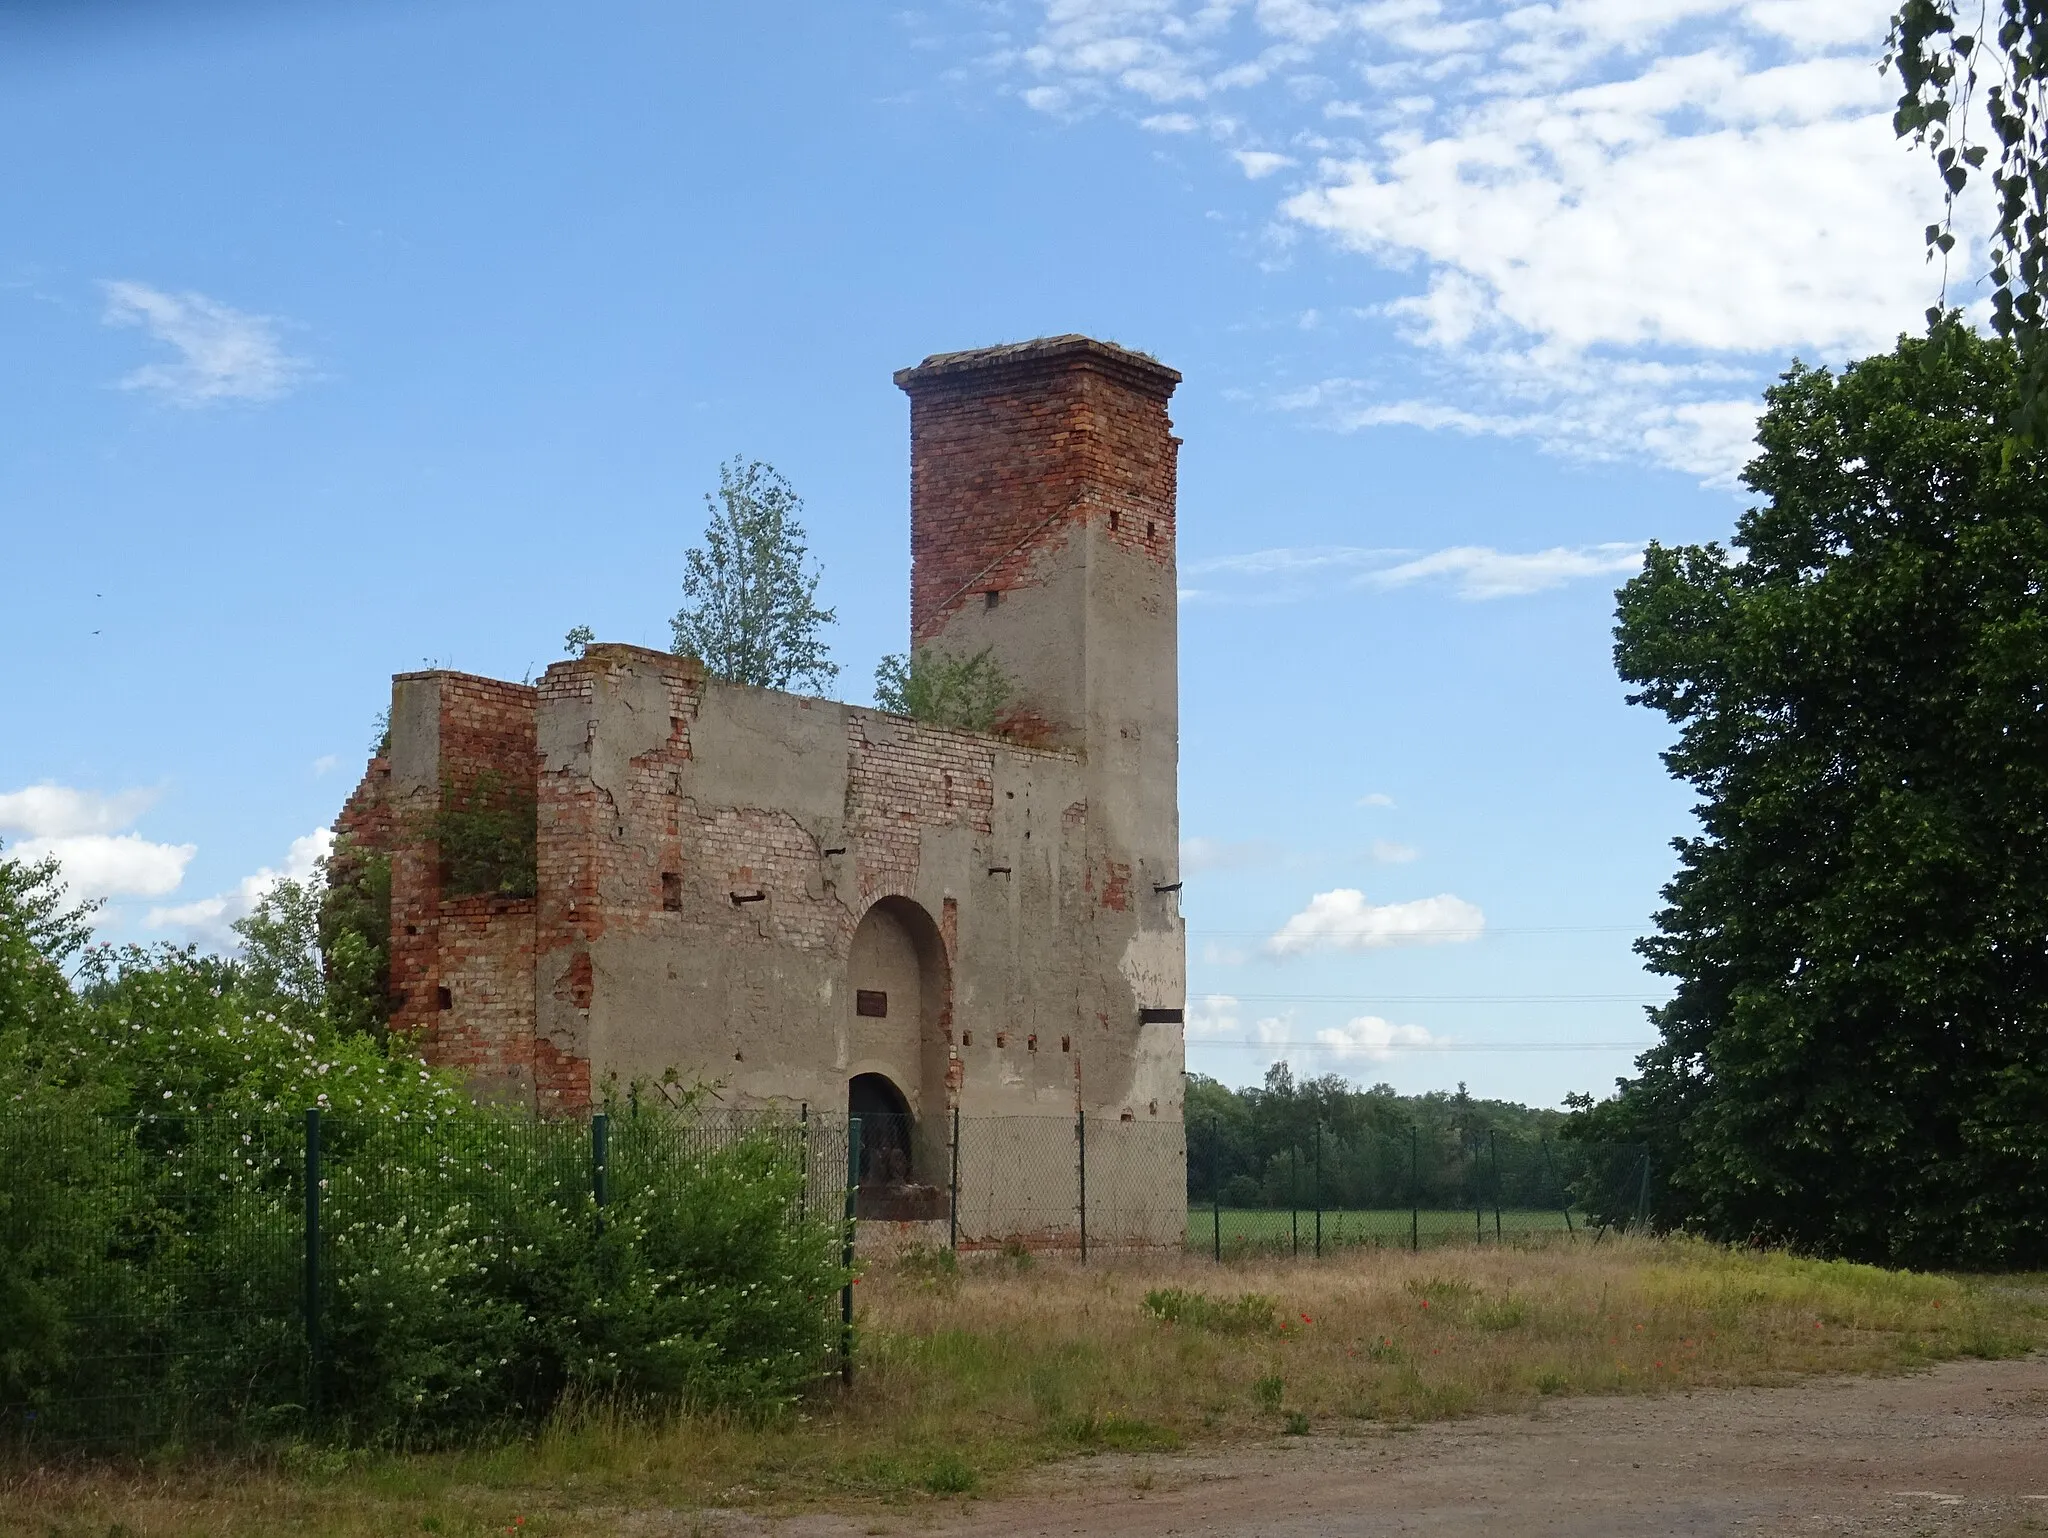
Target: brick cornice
point(977, 369)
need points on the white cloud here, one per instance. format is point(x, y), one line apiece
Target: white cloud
point(1259, 164)
point(1376, 1040)
point(1376, 798)
point(121, 865)
point(82, 828)
point(1479, 571)
point(210, 920)
point(1387, 852)
point(1470, 571)
point(1206, 854)
point(326, 763)
point(223, 353)
point(1342, 920)
point(1573, 189)
point(1220, 1017)
point(1170, 123)
point(59, 811)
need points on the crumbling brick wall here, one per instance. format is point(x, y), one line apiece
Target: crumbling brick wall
point(461, 972)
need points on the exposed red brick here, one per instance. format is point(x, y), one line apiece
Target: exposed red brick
point(1011, 446)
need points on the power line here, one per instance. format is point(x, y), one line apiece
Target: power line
point(1428, 998)
point(1461, 934)
point(1382, 1049)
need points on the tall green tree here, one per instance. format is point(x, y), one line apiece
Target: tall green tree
point(1855, 1058)
point(750, 612)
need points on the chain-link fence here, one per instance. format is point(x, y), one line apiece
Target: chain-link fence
point(1076, 1183)
point(1410, 1188)
point(168, 1279)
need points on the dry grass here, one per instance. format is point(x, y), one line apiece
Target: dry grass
point(970, 1378)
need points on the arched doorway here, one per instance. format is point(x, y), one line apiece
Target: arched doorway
point(897, 1009)
point(885, 1128)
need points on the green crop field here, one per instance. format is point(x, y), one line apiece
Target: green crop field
point(1268, 1229)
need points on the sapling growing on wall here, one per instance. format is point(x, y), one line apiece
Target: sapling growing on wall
point(750, 612)
point(929, 685)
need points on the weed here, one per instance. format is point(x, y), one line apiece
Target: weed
point(951, 1474)
point(1505, 1313)
point(1297, 1423)
point(930, 1266)
point(1248, 1314)
point(1121, 1433)
point(1268, 1391)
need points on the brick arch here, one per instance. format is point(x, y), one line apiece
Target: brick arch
point(897, 950)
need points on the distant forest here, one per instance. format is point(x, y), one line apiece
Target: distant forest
point(1261, 1143)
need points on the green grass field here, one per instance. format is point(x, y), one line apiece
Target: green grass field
point(1386, 1228)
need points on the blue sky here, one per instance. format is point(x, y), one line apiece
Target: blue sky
point(345, 338)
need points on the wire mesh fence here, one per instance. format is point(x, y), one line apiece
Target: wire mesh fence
point(173, 1279)
point(182, 1279)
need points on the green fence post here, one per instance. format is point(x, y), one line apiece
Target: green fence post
point(1493, 1142)
point(1643, 1195)
point(1564, 1196)
point(1478, 1194)
point(1294, 1198)
point(600, 1163)
point(1216, 1188)
point(1319, 1190)
point(953, 1205)
point(1081, 1134)
point(313, 1264)
point(846, 1250)
point(803, 1157)
point(1414, 1189)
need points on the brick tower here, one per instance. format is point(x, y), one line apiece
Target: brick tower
point(1042, 491)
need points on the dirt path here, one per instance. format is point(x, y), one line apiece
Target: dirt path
point(1960, 1450)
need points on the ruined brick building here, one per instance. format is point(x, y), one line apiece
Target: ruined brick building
point(797, 900)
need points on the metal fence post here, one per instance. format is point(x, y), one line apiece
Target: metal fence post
point(953, 1205)
point(1643, 1194)
point(846, 1251)
point(803, 1155)
point(1216, 1187)
point(1493, 1141)
point(1414, 1189)
point(1294, 1198)
point(1478, 1194)
point(313, 1264)
point(600, 1163)
point(1564, 1197)
point(1319, 1190)
point(1081, 1134)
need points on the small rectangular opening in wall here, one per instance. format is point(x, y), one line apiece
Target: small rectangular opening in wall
point(991, 598)
point(1031, 1043)
point(443, 999)
point(967, 1038)
point(871, 1002)
point(1148, 528)
point(1112, 523)
point(671, 891)
point(1002, 1038)
point(1066, 1043)
point(1151, 1015)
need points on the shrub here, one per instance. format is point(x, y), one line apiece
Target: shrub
point(151, 1223)
point(969, 692)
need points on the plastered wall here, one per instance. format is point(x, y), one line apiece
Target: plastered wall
point(707, 853)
